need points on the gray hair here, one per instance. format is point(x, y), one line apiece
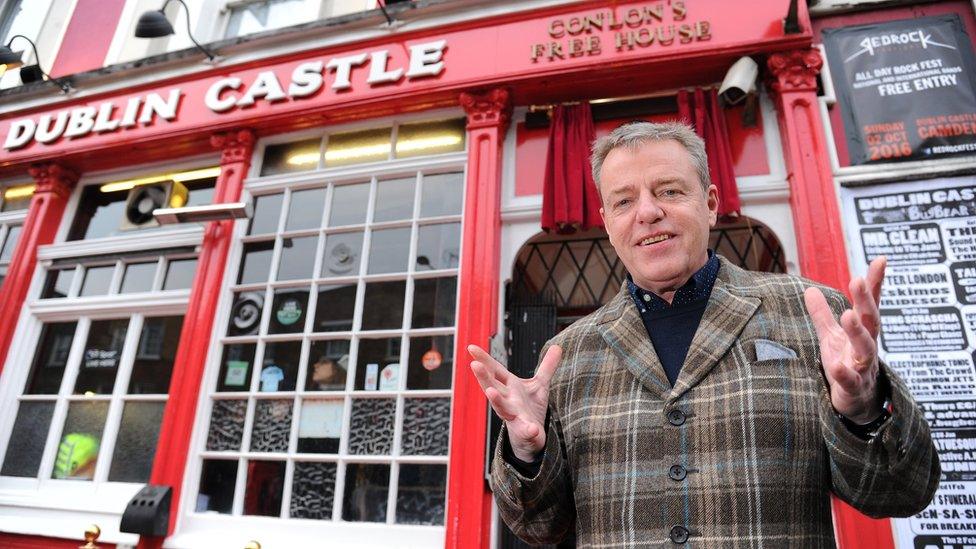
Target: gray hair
point(634, 134)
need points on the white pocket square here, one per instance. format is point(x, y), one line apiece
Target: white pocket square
point(770, 350)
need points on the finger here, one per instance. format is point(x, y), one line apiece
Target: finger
point(500, 405)
point(875, 278)
point(548, 365)
point(863, 349)
point(865, 306)
point(843, 376)
point(823, 318)
point(486, 380)
point(494, 368)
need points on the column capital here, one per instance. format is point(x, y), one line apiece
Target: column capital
point(795, 70)
point(51, 177)
point(235, 145)
point(487, 108)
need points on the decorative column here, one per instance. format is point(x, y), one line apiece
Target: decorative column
point(816, 219)
point(172, 450)
point(53, 187)
point(468, 498)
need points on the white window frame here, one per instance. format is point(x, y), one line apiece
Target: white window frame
point(62, 508)
point(209, 529)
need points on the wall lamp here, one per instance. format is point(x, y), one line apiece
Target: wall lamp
point(9, 59)
point(153, 24)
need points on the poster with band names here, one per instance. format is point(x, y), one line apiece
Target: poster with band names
point(907, 88)
point(927, 230)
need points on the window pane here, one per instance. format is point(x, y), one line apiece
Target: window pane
point(27, 440)
point(297, 258)
point(179, 274)
point(280, 368)
point(136, 446)
point(58, 283)
point(426, 425)
point(256, 262)
point(272, 426)
point(153, 365)
point(245, 314)
point(431, 364)
point(366, 492)
point(378, 364)
point(305, 209)
point(80, 440)
point(265, 481)
point(313, 490)
point(442, 194)
point(288, 310)
point(320, 427)
point(267, 208)
point(442, 136)
point(217, 480)
point(438, 246)
point(433, 302)
point(328, 363)
point(349, 205)
point(420, 494)
point(235, 367)
point(226, 425)
point(10, 243)
point(98, 280)
point(389, 250)
point(335, 308)
point(138, 277)
point(262, 15)
point(383, 306)
point(394, 199)
point(342, 254)
point(103, 350)
point(371, 428)
point(50, 358)
point(16, 202)
point(358, 147)
point(99, 214)
point(291, 157)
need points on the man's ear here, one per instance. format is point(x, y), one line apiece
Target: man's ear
point(712, 200)
point(603, 216)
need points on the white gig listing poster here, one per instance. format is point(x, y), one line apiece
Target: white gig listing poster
point(927, 230)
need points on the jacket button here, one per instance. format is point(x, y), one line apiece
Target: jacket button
point(676, 417)
point(677, 472)
point(679, 534)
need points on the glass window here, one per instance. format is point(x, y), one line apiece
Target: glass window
point(152, 367)
point(10, 243)
point(442, 136)
point(27, 440)
point(262, 15)
point(180, 273)
point(333, 407)
point(138, 277)
point(291, 157)
point(81, 440)
point(135, 447)
point(50, 358)
point(97, 281)
point(58, 283)
point(103, 353)
point(358, 147)
point(17, 197)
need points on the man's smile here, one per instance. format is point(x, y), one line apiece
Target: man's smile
point(654, 239)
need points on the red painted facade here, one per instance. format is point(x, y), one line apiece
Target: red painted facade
point(488, 69)
point(81, 49)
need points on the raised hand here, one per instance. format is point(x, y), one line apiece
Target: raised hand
point(849, 350)
point(521, 403)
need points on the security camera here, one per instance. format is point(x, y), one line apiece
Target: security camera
point(739, 81)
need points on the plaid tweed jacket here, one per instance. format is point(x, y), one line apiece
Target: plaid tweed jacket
point(739, 453)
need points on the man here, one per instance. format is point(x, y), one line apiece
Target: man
point(705, 404)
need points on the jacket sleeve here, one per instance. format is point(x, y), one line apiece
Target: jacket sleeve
point(895, 473)
point(539, 509)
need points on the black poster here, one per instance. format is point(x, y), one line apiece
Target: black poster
point(907, 89)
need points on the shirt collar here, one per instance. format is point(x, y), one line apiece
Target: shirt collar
point(698, 287)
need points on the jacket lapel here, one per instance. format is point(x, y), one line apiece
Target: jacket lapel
point(726, 315)
point(623, 330)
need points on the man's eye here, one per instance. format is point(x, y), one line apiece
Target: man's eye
point(670, 192)
point(622, 202)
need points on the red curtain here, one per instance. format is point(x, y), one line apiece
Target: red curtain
point(569, 198)
point(701, 110)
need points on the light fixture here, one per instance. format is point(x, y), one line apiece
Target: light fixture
point(201, 214)
point(179, 177)
point(153, 24)
point(9, 59)
point(20, 191)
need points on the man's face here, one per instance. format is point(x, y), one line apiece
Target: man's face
point(657, 214)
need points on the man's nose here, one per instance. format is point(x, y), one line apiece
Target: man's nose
point(648, 210)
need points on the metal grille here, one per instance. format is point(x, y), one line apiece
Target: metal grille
point(748, 244)
point(573, 275)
